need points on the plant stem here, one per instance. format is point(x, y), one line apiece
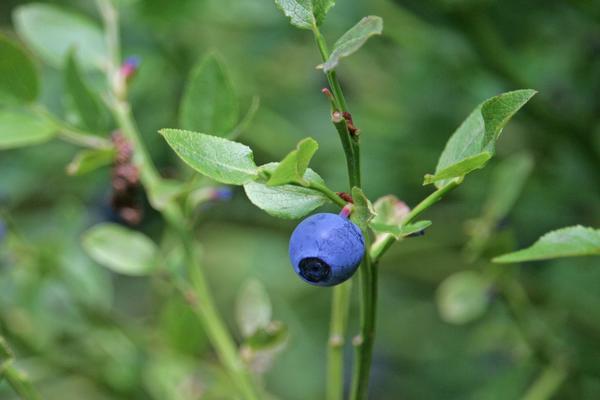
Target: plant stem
point(337, 332)
point(546, 385)
point(19, 382)
point(71, 134)
point(381, 245)
point(327, 192)
point(203, 304)
point(367, 275)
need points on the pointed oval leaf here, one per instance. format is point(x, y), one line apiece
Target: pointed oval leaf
point(286, 201)
point(120, 249)
point(19, 81)
point(566, 242)
point(52, 31)
point(389, 210)
point(87, 106)
point(479, 132)
point(362, 210)
point(353, 40)
point(300, 12)
point(507, 183)
point(462, 297)
point(209, 103)
point(253, 308)
point(293, 166)
point(90, 160)
point(219, 159)
point(400, 231)
point(20, 127)
point(460, 169)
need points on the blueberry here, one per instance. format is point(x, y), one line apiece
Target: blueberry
point(326, 249)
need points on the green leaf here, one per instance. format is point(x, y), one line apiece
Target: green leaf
point(479, 132)
point(164, 191)
point(462, 297)
point(90, 160)
point(321, 8)
point(399, 231)
point(253, 308)
point(86, 105)
point(120, 249)
point(362, 211)
point(209, 103)
point(246, 120)
point(460, 169)
point(286, 201)
point(219, 159)
point(300, 12)
point(353, 40)
point(272, 336)
point(20, 127)
point(305, 13)
point(19, 81)
point(507, 183)
point(389, 210)
point(52, 31)
point(292, 168)
point(566, 242)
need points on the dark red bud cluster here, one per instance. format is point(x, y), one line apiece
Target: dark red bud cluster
point(125, 182)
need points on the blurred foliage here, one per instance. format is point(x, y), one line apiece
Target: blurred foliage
point(82, 331)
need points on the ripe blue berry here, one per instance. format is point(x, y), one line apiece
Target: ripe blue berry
point(326, 249)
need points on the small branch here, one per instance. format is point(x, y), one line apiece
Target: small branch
point(19, 382)
point(383, 244)
point(546, 385)
point(205, 308)
point(333, 196)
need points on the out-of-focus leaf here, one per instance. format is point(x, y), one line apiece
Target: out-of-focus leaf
point(399, 231)
point(460, 169)
point(88, 108)
point(286, 201)
point(19, 81)
point(353, 40)
point(566, 242)
point(246, 120)
point(305, 13)
point(90, 160)
point(209, 103)
point(462, 297)
point(20, 127)
point(6, 355)
point(164, 191)
point(220, 159)
point(389, 210)
point(292, 168)
point(120, 249)
point(253, 308)
point(52, 31)
point(508, 180)
point(479, 132)
point(362, 210)
point(260, 349)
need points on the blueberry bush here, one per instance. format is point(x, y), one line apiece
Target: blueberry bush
point(158, 234)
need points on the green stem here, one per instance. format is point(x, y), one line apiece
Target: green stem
point(204, 306)
point(73, 135)
point(337, 339)
point(546, 385)
point(367, 275)
point(327, 192)
point(381, 245)
point(19, 382)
